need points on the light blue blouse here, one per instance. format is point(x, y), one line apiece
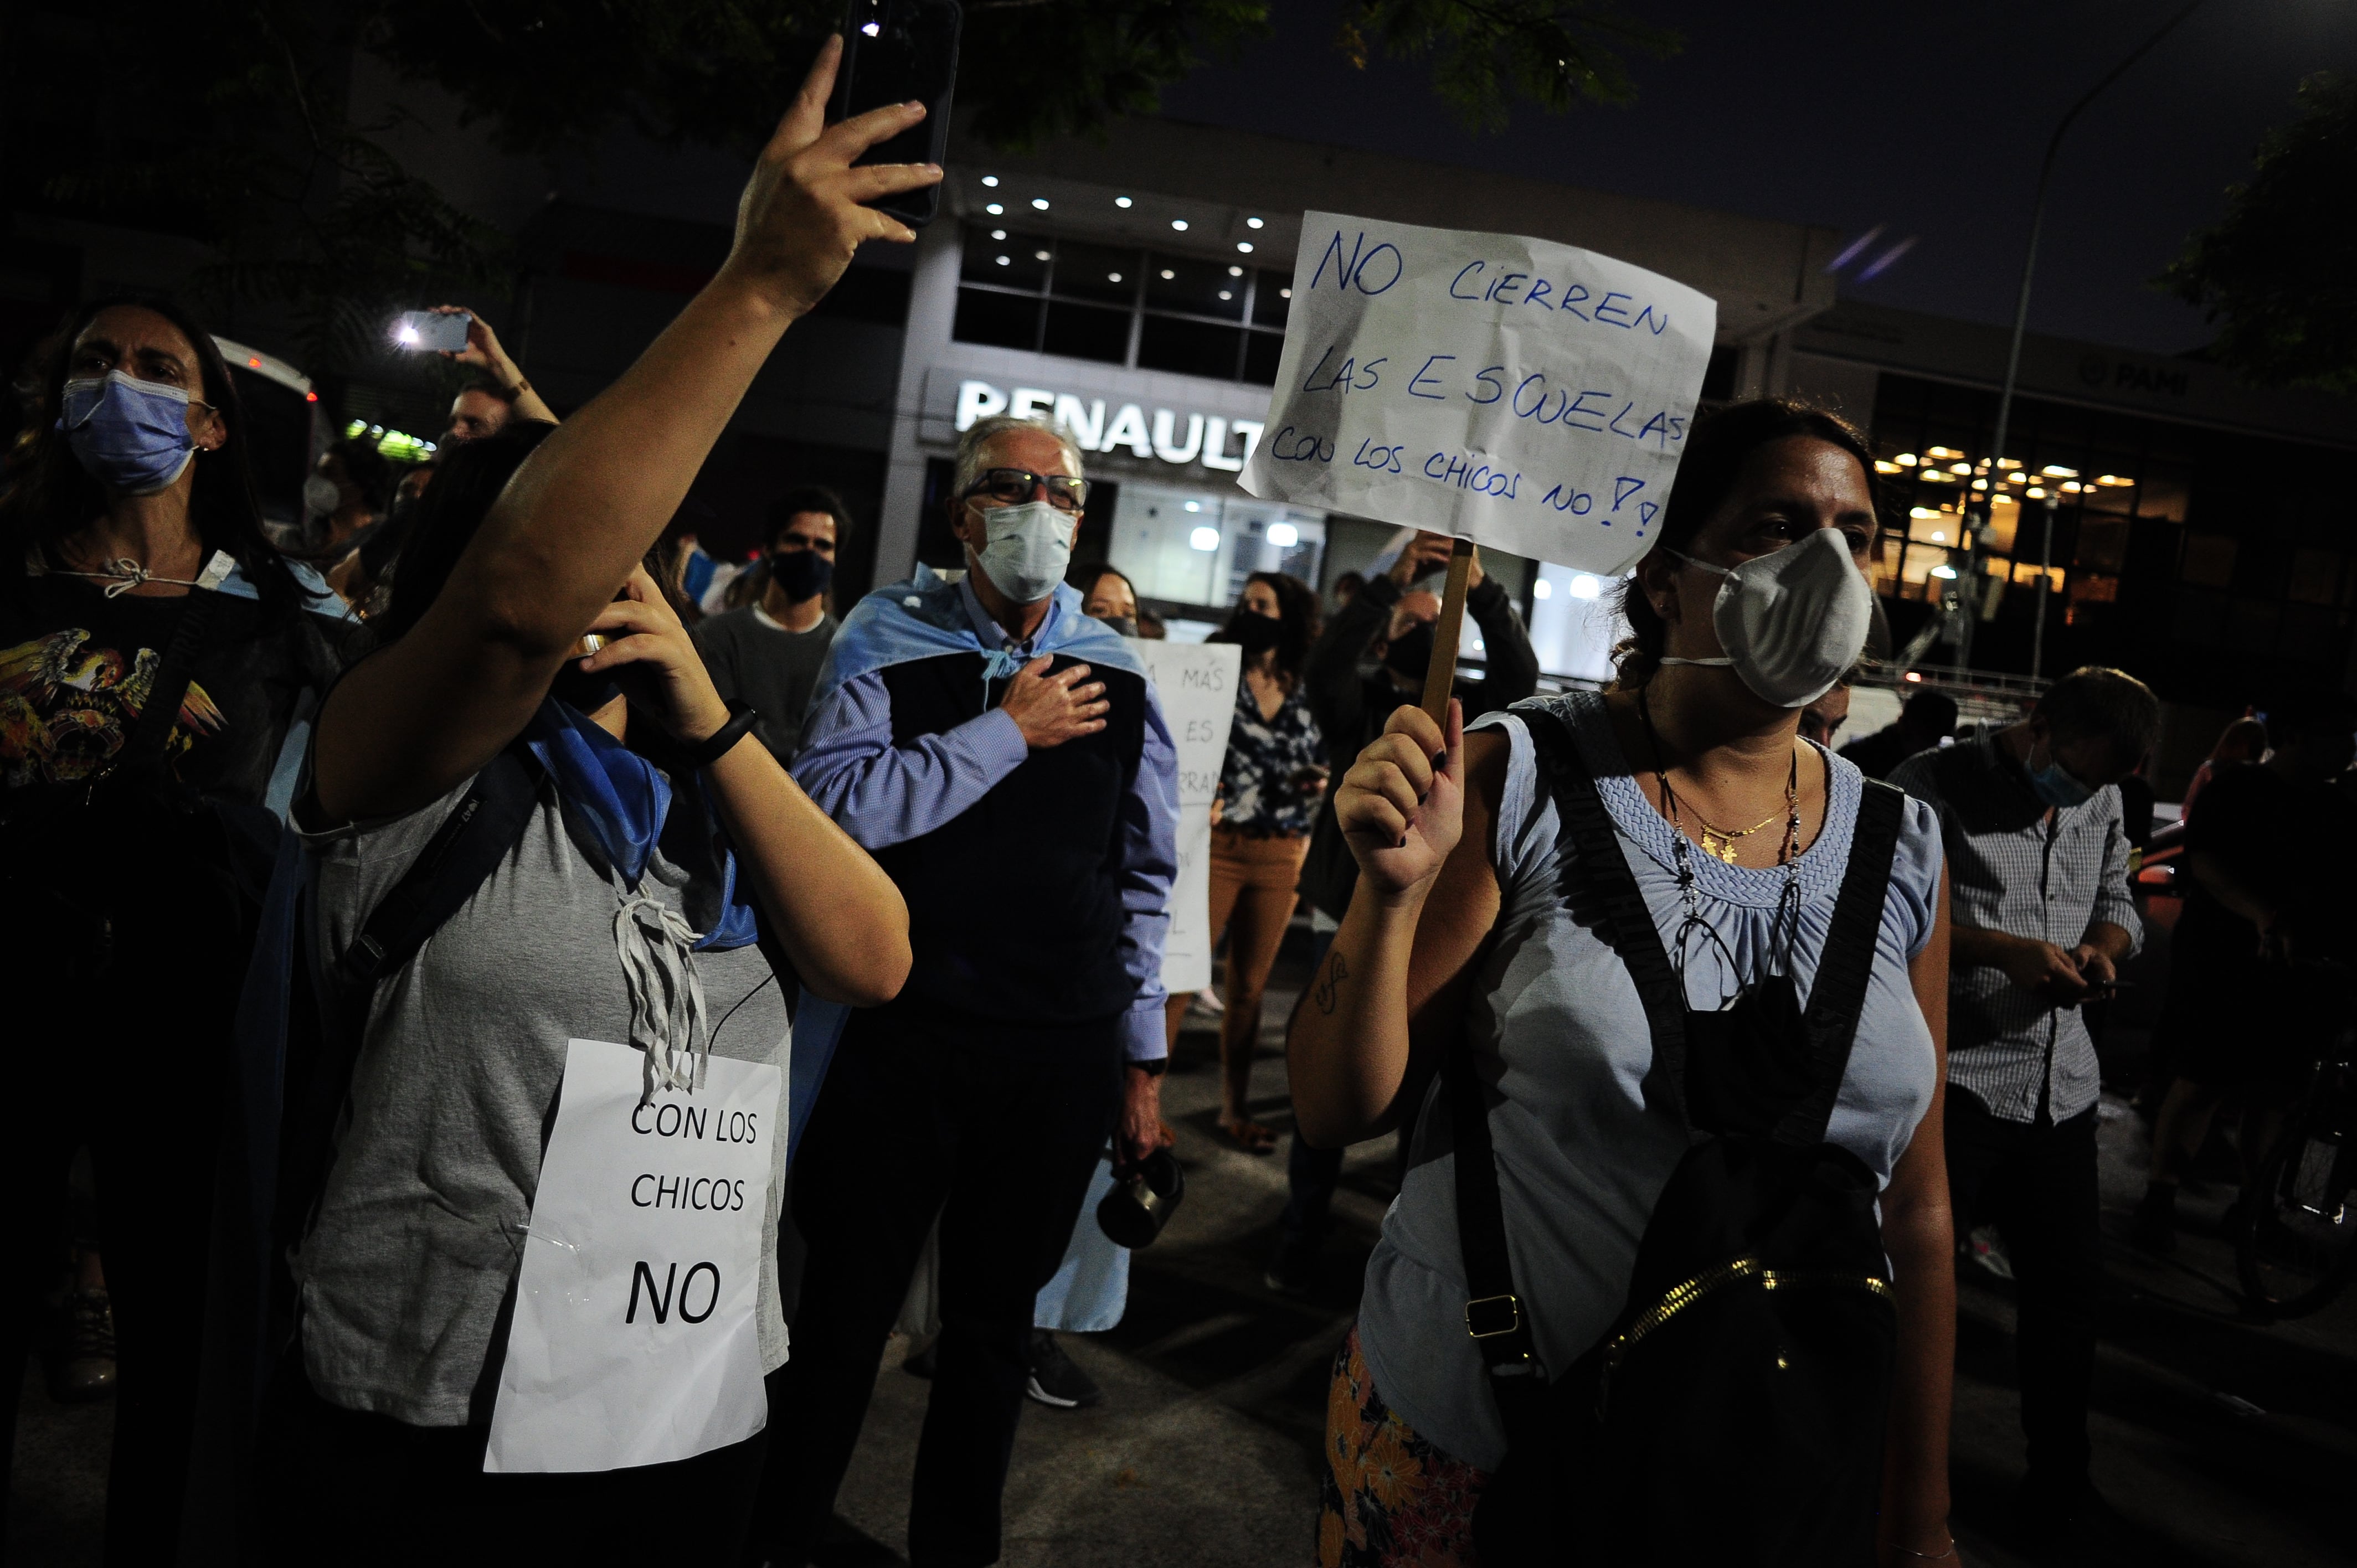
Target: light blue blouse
point(1557, 1030)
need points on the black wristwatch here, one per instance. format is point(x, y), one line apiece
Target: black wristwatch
point(724, 739)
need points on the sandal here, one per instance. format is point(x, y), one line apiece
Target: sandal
point(1249, 1135)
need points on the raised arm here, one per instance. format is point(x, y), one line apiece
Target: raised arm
point(485, 352)
point(1390, 994)
point(1511, 663)
point(411, 722)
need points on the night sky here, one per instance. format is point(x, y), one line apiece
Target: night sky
point(1927, 119)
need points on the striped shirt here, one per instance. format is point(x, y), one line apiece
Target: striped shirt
point(2017, 868)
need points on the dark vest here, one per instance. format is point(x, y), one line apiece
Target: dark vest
point(1015, 903)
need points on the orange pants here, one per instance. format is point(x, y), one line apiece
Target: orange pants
point(1252, 883)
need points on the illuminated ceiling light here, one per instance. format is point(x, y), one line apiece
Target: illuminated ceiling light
point(1882, 468)
point(1922, 511)
point(1235, 271)
point(1040, 202)
point(2008, 463)
point(1942, 452)
point(1245, 246)
point(1180, 224)
point(995, 209)
point(1121, 201)
point(1912, 676)
point(2016, 479)
point(1542, 589)
point(1939, 539)
point(1284, 294)
point(991, 180)
point(1167, 274)
point(1113, 277)
point(1944, 573)
point(2036, 493)
point(1039, 255)
point(1980, 484)
point(1960, 467)
point(2114, 481)
point(1194, 506)
point(2056, 471)
point(1003, 261)
point(1205, 537)
point(998, 233)
point(1585, 586)
point(1284, 535)
point(1253, 223)
point(1227, 293)
point(2071, 487)
point(1905, 460)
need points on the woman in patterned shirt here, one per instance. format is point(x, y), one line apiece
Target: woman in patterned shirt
point(1270, 788)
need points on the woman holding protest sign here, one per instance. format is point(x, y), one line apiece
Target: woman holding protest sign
point(440, 1403)
point(1595, 918)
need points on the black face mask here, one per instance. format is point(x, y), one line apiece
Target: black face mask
point(1411, 652)
point(800, 573)
point(585, 692)
point(1255, 633)
point(1125, 625)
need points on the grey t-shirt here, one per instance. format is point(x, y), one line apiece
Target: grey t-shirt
point(758, 663)
point(421, 1226)
point(1560, 1036)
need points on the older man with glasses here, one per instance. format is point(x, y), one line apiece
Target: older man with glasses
point(1003, 758)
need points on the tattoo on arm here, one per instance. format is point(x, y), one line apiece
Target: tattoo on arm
point(1336, 973)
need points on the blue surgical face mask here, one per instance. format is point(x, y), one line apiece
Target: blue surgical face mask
point(1029, 547)
point(2057, 786)
point(130, 435)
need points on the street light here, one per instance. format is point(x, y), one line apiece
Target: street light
point(2021, 318)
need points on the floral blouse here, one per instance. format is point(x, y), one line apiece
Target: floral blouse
point(1262, 778)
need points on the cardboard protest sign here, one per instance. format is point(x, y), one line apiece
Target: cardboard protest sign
point(1516, 392)
point(1197, 684)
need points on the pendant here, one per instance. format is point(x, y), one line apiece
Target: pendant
point(1722, 845)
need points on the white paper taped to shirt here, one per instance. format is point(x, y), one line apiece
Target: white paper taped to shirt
point(634, 1340)
point(1513, 391)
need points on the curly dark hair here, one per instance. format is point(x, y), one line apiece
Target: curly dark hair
point(1718, 448)
point(48, 494)
point(1297, 612)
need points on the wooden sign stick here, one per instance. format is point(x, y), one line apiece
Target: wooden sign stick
point(1440, 678)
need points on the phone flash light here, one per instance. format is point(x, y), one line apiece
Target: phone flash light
point(871, 28)
point(407, 334)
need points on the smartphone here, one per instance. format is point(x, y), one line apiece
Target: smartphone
point(899, 51)
point(424, 330)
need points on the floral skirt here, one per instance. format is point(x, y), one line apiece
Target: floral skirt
point(1386, 1498)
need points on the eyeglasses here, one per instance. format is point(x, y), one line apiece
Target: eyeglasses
point(1013, 486)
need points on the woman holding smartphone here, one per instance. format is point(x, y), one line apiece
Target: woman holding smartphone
point(1480, 929)
point(662, 836)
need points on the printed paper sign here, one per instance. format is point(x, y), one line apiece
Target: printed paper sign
point(634, 1339)
point(1517, 392)
point(1197, 684)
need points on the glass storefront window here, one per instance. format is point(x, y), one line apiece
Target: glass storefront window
point(1197, 547)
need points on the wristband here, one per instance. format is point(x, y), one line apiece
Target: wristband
point(1152, 1066)
point(723, 740)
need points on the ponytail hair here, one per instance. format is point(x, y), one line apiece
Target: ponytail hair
point(1720, 443)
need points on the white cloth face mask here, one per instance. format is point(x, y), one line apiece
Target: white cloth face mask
point(1029, 547)
point(1792, 621)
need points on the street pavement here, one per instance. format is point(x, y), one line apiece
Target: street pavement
point(2219, 1441)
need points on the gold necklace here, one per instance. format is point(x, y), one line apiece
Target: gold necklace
point(1720, 842)
point(1717, 841)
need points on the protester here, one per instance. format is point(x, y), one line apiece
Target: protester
point(498, 392)
point(767, 653)
point(1391, 617)
point(1345, 589)
point(1822, 719)
point(375, 1440)
point(2244, 740)
point(1928, 719)
point(1270, 787)
point(2249, 1012)
point(350, 488)
point(2030, 815)
point(1474, 947)
point(155, 652)
point(1004, 758)
point(1106, 594)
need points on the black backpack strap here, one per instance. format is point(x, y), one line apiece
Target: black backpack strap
point(1599, 873)
point(1493, 1312)
point(152, 730)
point(1837, 994)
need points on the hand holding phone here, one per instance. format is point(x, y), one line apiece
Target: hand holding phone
point(902, 51)
point(443, 331)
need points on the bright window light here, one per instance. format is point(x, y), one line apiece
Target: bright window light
point(1284, 535)
point(1585, 586)
point(1205, 537)
point(1943, 572)
point(1905, 460)
point(1542, 589)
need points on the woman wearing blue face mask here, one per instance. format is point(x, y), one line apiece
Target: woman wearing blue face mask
point(155, 652)
point(1596, 921)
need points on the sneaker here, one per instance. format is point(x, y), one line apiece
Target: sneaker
point(1292, 1268)
point(1055, 1380)
point(81, 1357)
point(922, 1359)
point(1986, 1248)
point(2154, 1228)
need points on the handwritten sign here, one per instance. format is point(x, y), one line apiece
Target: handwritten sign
point(1197, 684)
point(1517, 392)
